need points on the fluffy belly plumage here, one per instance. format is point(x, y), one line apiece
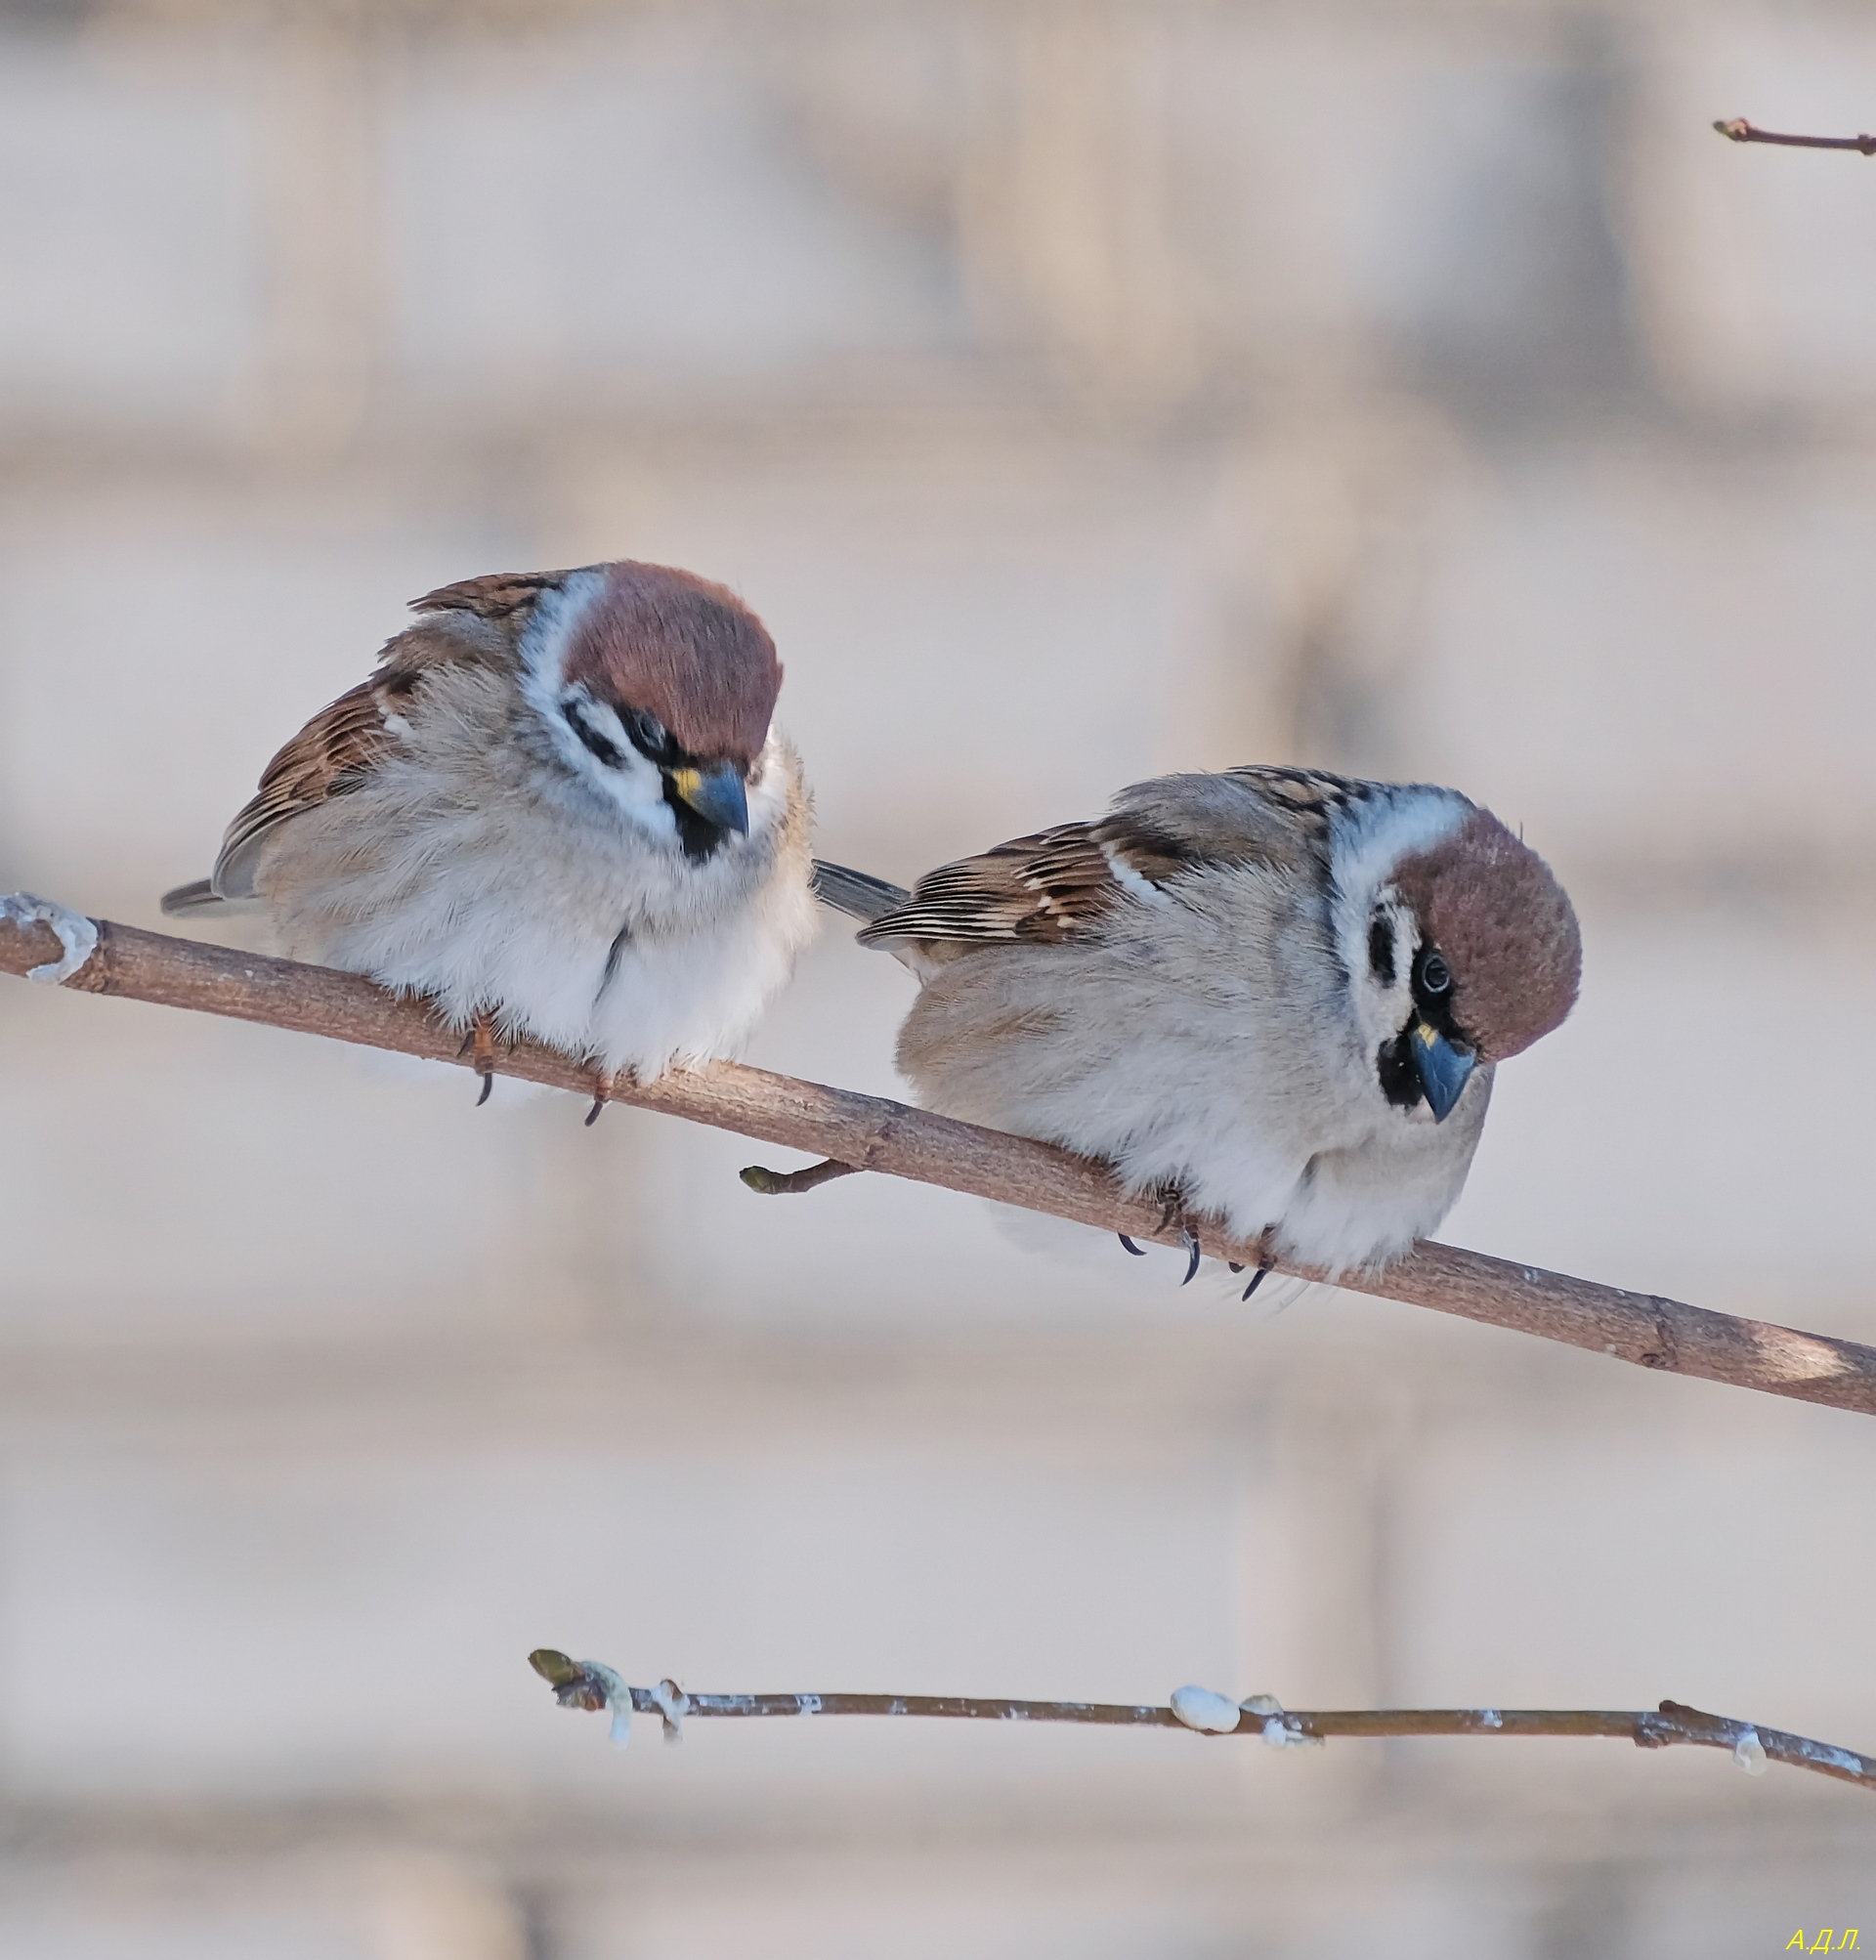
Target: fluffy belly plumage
point(549, 943)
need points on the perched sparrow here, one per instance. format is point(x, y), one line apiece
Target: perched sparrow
point(557, 809)
point(1274, 993)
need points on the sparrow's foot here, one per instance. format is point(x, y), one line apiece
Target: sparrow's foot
point(779, 1183)
point(604, 1082)
point(481, 1038)
point(1174, 1200)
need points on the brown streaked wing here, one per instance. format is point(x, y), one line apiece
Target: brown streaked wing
point(339, 746)
point(1042, 888)
point(1308, 789)
point(1047, 888)
point(1257, 814)
point(494, 595)
point(333, 754)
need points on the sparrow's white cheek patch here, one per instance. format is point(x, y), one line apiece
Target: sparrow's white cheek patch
point(543, 645)
point(596, 726)
point(542, 656)
point(1364, 851)
point(591, 742)
point(1378, 965)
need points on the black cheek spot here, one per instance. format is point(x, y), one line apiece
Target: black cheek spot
point(1395, 1069)
point(1381, 950)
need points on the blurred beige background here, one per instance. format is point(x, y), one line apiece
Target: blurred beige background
point(1078, 390)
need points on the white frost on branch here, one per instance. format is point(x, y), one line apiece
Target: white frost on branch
point(77, 934)
point(619, 1701)
point(674, 1704)
point(1206, 1710)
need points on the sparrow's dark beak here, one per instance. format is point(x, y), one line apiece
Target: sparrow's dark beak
point(717, 796)
point(1442, 1068)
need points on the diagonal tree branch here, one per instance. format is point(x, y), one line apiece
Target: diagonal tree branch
point(595, 1687)
point(1739, 130)
point(871, 1133)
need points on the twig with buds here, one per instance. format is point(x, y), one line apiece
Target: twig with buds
point(594, 1686)
point(54, 944)
point(1740, 130)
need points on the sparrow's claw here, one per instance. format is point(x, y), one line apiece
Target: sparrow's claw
point(1174, 1201)
point(1138, 1251)
point(481, 1038)
point(1235, 1265)
point(1191, 1240)
point(1257, 1280)
point(603, 1082)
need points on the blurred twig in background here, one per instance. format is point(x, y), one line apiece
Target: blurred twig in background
point(871, 1133)
point(597, 1689)
point(1741, 131)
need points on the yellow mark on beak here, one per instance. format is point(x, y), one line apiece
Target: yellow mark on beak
point(716, 795)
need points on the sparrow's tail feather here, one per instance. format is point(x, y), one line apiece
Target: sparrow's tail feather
point(854, 892)
point(196, 897)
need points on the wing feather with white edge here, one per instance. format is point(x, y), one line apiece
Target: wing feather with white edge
point(1048, 888)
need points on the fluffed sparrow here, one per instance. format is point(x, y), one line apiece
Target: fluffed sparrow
point(557, 809)
point(1276, 994)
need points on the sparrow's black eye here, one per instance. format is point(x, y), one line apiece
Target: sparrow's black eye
point(650, 737)
point(1435, 976)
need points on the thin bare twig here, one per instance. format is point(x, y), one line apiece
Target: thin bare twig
point(1740, 130)
point(871, 1133)
point(782, 1184)
point(595, 1687)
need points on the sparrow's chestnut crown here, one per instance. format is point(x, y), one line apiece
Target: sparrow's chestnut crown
point(683, 654)
point(1505, 931)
